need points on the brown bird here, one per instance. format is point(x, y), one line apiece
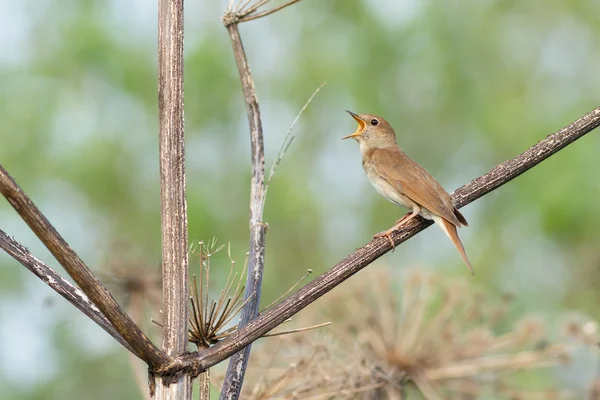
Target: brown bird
point(404, 182)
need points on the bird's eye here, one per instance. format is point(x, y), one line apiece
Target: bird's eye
point(374, 122)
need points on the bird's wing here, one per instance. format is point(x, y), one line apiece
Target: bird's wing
point(409, 178)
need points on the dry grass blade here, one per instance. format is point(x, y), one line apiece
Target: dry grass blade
point(308, 272)
point(308, 328)
point(287, 141)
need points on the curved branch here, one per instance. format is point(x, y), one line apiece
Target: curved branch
point(365, 255)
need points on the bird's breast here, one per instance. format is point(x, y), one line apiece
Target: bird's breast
point(385, 189)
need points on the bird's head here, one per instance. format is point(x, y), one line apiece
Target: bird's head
point(372, 132)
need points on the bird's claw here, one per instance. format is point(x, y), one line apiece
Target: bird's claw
point(388, 235)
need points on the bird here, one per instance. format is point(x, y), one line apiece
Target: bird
point(403, 181)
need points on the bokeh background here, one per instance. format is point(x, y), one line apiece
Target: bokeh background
point(466, 85)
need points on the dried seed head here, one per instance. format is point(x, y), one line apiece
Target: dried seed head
point(394, 337)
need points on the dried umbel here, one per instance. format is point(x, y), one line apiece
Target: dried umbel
point(247, 10)
point(209, 318)
point(418, 337)
point(135, 282)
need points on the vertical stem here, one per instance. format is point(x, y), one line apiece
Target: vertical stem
point(237, 364)
point(204, 383)
point(204, 380)
point(172, 194)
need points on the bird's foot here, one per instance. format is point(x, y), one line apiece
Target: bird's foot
point(402, 221)
point(387, 234)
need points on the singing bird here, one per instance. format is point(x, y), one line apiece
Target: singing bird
point(404, 182)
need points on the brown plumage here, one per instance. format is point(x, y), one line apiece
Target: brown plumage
point(404, 182)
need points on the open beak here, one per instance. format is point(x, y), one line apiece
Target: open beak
point(361, 126)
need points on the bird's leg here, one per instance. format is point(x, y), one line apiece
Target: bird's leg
point(410, 215)
point(402, 221)
point(407, 215)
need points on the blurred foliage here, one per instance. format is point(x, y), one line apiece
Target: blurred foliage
point(466, 85)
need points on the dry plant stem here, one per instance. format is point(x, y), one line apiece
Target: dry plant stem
point(69, 292)
point(81, 274)
point(204, 385)
point(237, 364)
point(365, 255)
point(172, 194)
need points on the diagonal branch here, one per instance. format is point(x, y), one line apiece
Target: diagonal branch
point(237, 365)
point(365, 255)
point(81, 274)
point(61, 286)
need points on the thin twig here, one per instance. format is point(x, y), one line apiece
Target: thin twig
point(287, 141)
point(308, 272)
point(81, 274)
point(365, 255)
point(237, 364)
point(306, 328)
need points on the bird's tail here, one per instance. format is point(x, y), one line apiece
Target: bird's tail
point(450, 230)
point(461, 218)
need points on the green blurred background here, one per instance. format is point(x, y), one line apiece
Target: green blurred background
point(466, 85)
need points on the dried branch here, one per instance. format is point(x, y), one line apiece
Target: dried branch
point(237, 364)
point(245, 10)
point(172, 193)
point(365, 255)
point(81, 274)
point(57, 283)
